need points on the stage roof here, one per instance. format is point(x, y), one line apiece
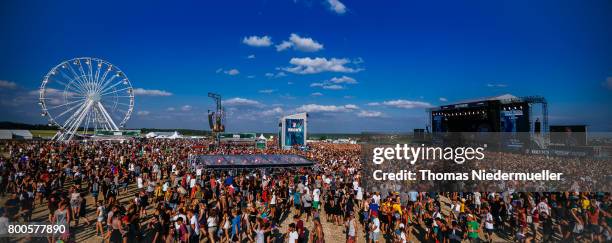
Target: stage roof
point(251, 161)
point(499, 97)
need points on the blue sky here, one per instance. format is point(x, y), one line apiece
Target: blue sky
point(355, 65)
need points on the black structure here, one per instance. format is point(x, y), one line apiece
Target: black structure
point(216, 118)
point(504, 113)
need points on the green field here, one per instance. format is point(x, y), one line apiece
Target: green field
point(48, 133)
point(43, 133)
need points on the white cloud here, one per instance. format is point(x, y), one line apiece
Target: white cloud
point(374, 103)
point(143, 113)
point(327, 85)
point(277, 75)
point(289, 83)
point(326, 108)
point(609, 83)
point(337, 6)
point(151, 92)
point(53, 96)
point(251, 76)
point(333, 87)
point(317, 85)
point(242, 102)
point(283, 46)
point(232, 72)
point(186, 108)
point(272, 112)
point(50, 92)
point(348, 97)
point(365, 113)
point(171, 109)
point(7, 84)
point(443, 99)
point(406, 104)
point(307, 65)
point(351, 107)
point(317, 94)
point(305, 44)
point(252, 56)
point(334, 83)
point(492, 85)
point(257, 41)
point(267, 91)
point(343, 80)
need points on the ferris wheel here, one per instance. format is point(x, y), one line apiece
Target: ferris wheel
point(86, 93)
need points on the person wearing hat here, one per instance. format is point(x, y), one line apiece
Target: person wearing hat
point(473, 228)
point(403, 236)
point(375, 227)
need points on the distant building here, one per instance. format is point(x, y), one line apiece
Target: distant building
point(244, 139)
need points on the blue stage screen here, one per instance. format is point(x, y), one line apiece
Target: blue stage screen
point(294, 132)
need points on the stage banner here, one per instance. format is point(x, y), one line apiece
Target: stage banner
point(294, 132)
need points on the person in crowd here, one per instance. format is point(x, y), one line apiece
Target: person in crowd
point(375, 230)
point(351, 229)
point(292, 234)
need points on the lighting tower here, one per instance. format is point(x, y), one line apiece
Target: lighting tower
point(216, 118)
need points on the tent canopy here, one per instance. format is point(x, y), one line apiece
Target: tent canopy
point(15, 134)
point(170, 135)
point(251, 161)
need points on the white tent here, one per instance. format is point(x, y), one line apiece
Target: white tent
point(15, 134)
point(6, 134)
point(170, 135)
point(175, 135)
point(22, 134)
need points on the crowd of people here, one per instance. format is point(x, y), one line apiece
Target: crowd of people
point(146, 190)
point(586, 173)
